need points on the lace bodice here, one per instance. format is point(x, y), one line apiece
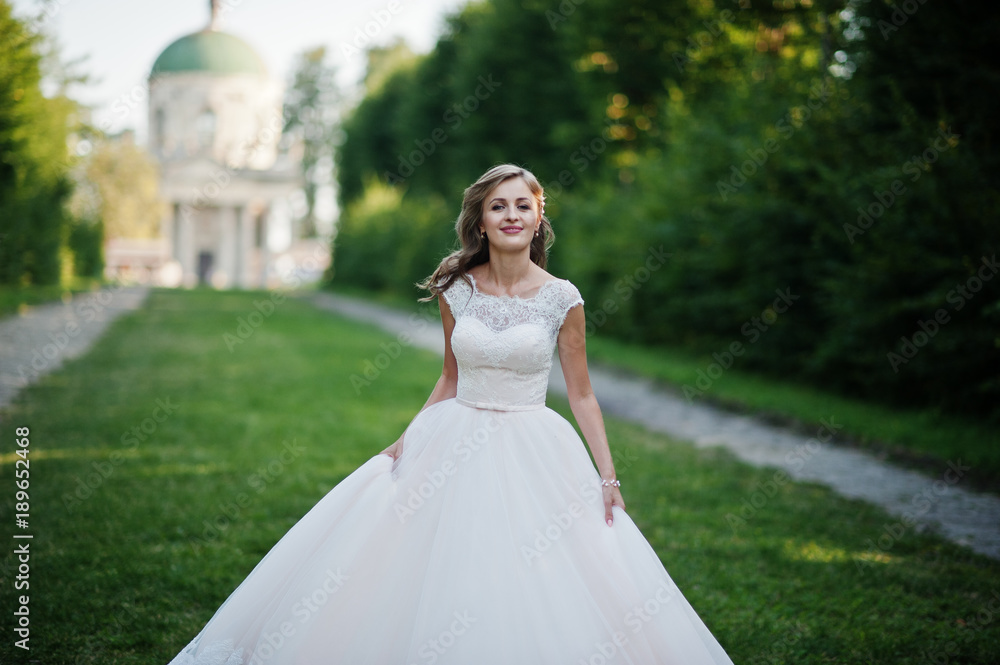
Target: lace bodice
point(504, 344)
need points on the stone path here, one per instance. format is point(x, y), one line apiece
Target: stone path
point(38, 340)
point(917, 501)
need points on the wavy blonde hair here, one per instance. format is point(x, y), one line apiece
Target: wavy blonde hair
point(474, 249)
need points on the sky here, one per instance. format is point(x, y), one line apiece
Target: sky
point(122, 38)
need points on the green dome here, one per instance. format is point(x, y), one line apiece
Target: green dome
point(211, 52)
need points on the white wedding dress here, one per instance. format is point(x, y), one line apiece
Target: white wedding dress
point(484, 543)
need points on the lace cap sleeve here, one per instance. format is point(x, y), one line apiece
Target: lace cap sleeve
point(457, 295)
point(568, 297)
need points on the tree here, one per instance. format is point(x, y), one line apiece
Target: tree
point(367, 145)
point(835, 154)
point(311, 116)
point(118, 184)
point(34, 160)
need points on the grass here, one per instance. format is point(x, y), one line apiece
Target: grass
point(138, 542)
point(924, 439)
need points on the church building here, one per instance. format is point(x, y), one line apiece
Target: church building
point(215, 121)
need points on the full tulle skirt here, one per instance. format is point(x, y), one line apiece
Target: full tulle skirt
point(484, 543)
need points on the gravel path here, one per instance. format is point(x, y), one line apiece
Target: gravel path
point(38, 340)
point(918, 502)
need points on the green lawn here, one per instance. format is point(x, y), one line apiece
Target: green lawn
point(137, 542)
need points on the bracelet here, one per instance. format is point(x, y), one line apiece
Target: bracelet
point(610, 483)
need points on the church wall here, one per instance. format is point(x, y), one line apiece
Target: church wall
point(234, 120)
point(216, 139)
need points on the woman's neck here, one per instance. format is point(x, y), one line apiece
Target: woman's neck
point(509, 273)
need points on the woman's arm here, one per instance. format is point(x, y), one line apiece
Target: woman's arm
point(573, 358)
point(447, 384)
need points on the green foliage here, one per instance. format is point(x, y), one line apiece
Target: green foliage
point(34, 185)
point(499, 86)
point(369, 147)
point(86, 241)
point(402, 237)
point(839, 152)
point(118, 183)
point(14, 299)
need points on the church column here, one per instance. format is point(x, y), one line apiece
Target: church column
point(170, 230)
point(174, 232)
point(227, 250)
point(263, 251)
point(184, 252)
point(244, 227)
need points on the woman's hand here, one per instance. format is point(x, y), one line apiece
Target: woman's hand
point(612, 497)
point(395, 450)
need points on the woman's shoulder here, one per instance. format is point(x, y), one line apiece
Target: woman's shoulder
point(457, 292)
point(556, 299)
point(563, 292)
point(548, 280)
point(564, 285)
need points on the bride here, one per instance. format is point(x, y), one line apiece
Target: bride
point(483, 535)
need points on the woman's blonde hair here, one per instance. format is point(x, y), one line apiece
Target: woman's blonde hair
point(474, 250)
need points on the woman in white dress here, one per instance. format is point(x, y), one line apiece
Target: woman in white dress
point(483, 535)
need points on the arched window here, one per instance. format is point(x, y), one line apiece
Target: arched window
point(205, 127)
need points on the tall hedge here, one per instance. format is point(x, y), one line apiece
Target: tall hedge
point(815, 181)
point(34, 181)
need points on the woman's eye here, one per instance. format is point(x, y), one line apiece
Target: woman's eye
point(524, 207)
point(497, 206)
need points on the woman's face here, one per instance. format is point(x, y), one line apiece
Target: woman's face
point(510, 216)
